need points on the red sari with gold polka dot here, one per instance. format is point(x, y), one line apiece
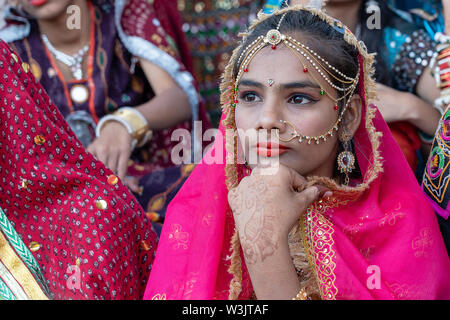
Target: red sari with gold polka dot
point(87, 232)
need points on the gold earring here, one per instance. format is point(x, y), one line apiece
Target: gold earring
point(346, 159)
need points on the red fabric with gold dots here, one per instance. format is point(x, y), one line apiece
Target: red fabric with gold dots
point(50, 188)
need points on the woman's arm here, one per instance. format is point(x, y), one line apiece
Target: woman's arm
point(275, 278)
point(396, 105)
point(426, 87)
point(170, 105)
point(446, 5)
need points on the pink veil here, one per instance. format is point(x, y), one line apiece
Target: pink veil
point(378, 240)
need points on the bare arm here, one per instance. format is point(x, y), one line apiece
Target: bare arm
point(275, 278)
point(396, 105)
point(426, 87)
point(170, 105)
point(446, 5)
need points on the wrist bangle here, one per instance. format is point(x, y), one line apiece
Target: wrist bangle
point(301, 295)
point(137, 121)
point(440, 47)
point(443, 55)
point(442, 61)
point(133, 121)
point(426, 138)
point(109, 118)
point(442, 38)
point(438, 107)
point(442, 102)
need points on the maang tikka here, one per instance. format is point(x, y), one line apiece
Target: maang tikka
point(273, 38)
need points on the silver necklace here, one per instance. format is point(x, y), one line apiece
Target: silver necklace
point(74, 62)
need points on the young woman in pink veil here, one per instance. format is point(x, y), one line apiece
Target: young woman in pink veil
point(342, 217)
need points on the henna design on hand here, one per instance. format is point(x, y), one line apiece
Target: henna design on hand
point(256, 218)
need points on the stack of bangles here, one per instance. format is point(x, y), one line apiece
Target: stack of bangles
point(442, 70)
point(135, 123)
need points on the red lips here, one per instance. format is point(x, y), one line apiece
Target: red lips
point(270, 149)
point(37, 3)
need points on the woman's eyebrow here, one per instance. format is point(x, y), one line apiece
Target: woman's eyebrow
point(250, 83)
point(284, 86)
point(299, 85)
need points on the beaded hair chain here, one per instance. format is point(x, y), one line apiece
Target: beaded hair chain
point(274, 38)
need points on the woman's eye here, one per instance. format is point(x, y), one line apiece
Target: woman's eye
point(299, 99)
point(250, 97)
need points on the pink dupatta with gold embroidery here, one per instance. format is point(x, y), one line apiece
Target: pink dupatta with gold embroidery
point(377, 240)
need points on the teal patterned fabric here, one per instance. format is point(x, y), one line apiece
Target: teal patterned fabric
point(394, 40)
point(21, 249)
point(5, 292)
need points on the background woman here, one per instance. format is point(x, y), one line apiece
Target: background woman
point(436, 172)
point(95, 59)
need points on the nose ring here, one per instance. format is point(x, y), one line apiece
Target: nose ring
point(301, 138)
point(294, 134)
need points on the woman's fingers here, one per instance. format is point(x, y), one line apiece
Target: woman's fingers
point(101, 153)
point(323, 191)
point(298, 182)
point(307, 197)
point(122, 165)
point(113, 159)
point(91, 149)
point(311, 194)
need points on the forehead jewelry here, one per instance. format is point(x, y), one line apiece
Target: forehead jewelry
point(270, 82)
point(306, 56)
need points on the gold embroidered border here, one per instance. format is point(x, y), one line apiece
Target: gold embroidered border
point(19, 271)
point(319, 246)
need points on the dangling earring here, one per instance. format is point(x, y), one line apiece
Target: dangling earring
point(346, 159)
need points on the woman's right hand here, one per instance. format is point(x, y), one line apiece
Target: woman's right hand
point(113, 149)
point(266, 207)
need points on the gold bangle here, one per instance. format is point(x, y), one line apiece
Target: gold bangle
point(301, 295)
point(136, 121)
point(444, 54)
